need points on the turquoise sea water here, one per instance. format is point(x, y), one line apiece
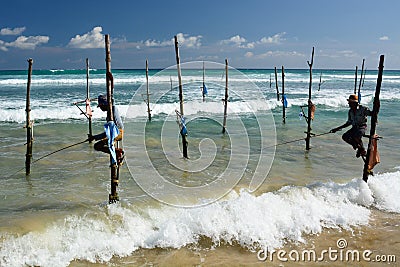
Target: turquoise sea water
point(244, 188)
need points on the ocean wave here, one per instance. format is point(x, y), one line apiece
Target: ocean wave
point(62, 112)
point(166, 76)
point(267, 220)
point(14, 110)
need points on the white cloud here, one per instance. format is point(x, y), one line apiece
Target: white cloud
point(275, 39)
point(384, 38)
point(347, 53)
point(236, 40)
point(23, 42)
point(337, 54)
point(154, 43)
point(207, 58)
point(3, 46)
point(92, 39)
point(241, 42)
point(189, 41)
point(248, 45)
point(249, 54)
point(183, 40)
point(279, 54)
point(9, 31)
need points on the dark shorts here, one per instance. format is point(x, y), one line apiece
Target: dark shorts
point(354, 136)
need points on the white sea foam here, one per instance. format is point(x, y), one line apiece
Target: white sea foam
point(44, 110)
point(62, 112)
point(14, 110)
point(267, 220)
point(241, 88)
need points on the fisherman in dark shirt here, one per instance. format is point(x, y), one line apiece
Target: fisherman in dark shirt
point(357, 118)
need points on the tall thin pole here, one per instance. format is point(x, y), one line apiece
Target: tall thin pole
point(226, 97)
point(374, 117)
point(276, 85)
point(283, 96)
point(184, 141)
point(29, 132)
point(202, 90)
point(355, 80)
point(309, 103)
point(361, 81)
point(270, 80)
point(320, 81)
point(178, 65)
point(147, 91)
point(110, 115)
point(88, 98)
point(113, 196)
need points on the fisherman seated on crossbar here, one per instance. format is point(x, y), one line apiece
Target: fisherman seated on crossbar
point(102, 145)
point(357, 118)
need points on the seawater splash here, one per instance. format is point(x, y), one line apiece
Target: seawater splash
point(268, 220)
point(386, 191)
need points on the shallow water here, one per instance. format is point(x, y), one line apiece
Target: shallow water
point(232, 207)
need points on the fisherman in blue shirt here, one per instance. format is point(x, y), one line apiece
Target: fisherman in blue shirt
point(102, 145)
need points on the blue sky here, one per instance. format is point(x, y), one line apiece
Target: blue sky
point(251, 34)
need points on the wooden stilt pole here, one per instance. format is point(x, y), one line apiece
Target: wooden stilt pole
point(147, 91)
point(374, 117)
point(202, 89)
point(88, 98)
point(365, 71)
point(226, 97)
point(361, 81)
point(320, 81)
point(283, 96)
point(276, 85)
point(28, 126)
point(309, 103)
point(355, 80)
point(184, 141)
point(113, 196)
point(270, 80)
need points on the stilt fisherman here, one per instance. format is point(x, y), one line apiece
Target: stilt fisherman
point(103, 144)
point(357, 118)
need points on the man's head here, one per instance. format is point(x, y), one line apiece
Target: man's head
point(102, 102)
point(353, 100)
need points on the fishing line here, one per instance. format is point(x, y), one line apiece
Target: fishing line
point(59, 150)
point(296, 140)
point(42, 157)
point(81, 142)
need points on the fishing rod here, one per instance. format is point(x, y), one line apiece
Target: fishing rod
point(61, 149)
point(300, 139)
